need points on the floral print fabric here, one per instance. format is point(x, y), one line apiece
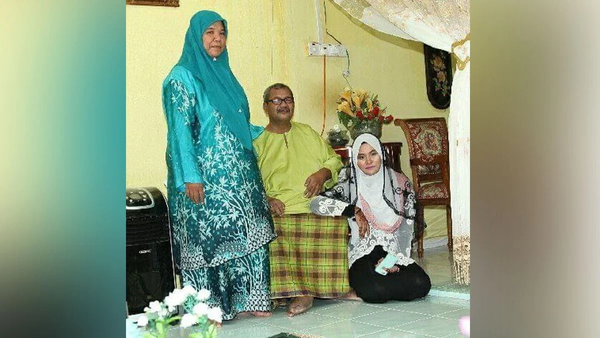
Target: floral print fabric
point(234, 225)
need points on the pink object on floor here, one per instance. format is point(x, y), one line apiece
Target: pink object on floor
point(464, 323)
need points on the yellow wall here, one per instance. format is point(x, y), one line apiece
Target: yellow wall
point(266, 43)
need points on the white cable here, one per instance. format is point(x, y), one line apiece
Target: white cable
point(318, 17)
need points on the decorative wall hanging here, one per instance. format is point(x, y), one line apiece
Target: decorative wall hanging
point(170, 3)
point(438, 74)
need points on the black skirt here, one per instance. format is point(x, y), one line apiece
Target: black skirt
point(411, 282)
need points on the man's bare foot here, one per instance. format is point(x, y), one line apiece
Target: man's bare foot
point(351, 295)
point(300, 305)
point(257, 313)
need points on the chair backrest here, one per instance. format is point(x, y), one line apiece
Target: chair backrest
point(427, 140)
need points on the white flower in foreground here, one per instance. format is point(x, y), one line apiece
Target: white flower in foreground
point(154, 307)
point(188, 290)
point(188, 320)
point(142, 321)
point(203, 294)
point(200, 309)
point(175, 298)
point(164, 313)
point(337, 128)
point(215, 314)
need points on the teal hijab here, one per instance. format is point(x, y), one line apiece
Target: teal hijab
point(224, 91)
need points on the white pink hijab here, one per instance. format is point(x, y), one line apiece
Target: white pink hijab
point(378, 195)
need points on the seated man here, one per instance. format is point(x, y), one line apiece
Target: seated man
point(309, 258)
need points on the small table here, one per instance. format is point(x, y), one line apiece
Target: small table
point(394, 149)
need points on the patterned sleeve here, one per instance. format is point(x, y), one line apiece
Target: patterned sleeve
point(325, 206)
point(179, 102)
point(334, 201)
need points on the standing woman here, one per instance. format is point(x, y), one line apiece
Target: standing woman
point(217, 203)
point(380, 204)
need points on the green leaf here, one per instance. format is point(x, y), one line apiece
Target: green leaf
point(172, 319)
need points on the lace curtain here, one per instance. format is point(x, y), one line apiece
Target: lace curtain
point(443, 24)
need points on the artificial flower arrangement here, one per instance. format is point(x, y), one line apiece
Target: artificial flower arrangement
point(159, 316)
point(360, 111)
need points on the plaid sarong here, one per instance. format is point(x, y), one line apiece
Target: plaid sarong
point(309, 257)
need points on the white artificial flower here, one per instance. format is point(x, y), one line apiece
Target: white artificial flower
point(336, 128)
point(154, 307)
point(200, 309)
point(188, 320)
point(188, 290)
point(164, 313)
point(142, 321)
point(215, 314)
point(170, 302)
point(175, 298)
point(203, 294)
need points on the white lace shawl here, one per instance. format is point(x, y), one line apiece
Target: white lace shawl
point(335, 200)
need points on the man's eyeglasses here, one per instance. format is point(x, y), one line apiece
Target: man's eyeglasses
point(277, 101)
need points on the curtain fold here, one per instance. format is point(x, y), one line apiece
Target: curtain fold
point(443, 24)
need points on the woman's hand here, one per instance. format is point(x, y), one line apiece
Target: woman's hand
point(195, 191)
point(361, 220)
point(277, 207)
point(393, 269)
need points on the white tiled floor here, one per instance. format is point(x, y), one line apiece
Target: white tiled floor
point(433, 316)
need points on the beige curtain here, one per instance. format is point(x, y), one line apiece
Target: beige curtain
point(443, 24)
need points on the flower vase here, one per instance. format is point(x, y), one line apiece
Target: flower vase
point(337, 137)
point(366, 126)
point(337, 140)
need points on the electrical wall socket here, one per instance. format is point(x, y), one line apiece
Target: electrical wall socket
point(328, 49)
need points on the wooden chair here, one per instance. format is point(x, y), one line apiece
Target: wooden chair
point(427, 140)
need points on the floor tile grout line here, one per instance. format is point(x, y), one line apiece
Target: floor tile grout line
point(370, 333)
point(319, 326)
point(395, 310)
point(339, 321)
point(392, 327)
point(399, 328)
point(422, 313)
point(360, 316)
point(443, 313)
point(454, 304)
point(372, 325)
point(430, 317)
point(350, 319)
point(412, 322)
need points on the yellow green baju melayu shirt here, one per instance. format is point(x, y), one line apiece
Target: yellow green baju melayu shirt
point(286, 160)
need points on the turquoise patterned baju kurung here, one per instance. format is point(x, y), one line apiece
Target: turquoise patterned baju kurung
point(221, 245)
